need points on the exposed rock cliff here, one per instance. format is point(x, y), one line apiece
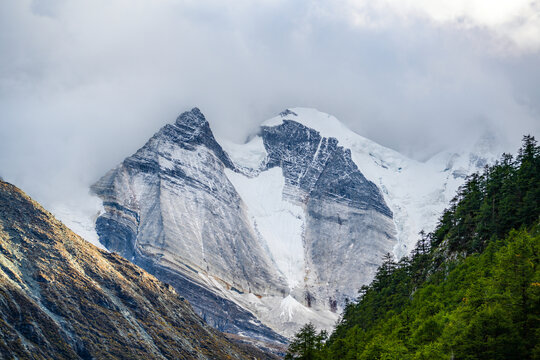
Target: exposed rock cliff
point(347, 226)
point(171, 209)
point(286, 235)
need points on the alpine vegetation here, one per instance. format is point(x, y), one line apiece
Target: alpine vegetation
point(470, 289)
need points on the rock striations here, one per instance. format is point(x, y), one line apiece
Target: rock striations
point(63, 298)
point(265, 236)
point(281, 232)
point(347, 227)
point(171, 209)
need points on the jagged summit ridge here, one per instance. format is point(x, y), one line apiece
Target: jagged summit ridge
point(179, 208)
point(192, 119)
point(193, 128)
point(317, 163)
point(293, 222)
point(287, 112)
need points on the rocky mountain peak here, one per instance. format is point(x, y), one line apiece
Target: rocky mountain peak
point(291, 223)
point(319, 166)
point(193, 119)
point(287, 112)
point(171, 209)
point(192, 129)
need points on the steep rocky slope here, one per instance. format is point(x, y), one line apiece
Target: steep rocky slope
point(265, 236)
point(183, 209)
point(347, 226)
point(63, 298)
point(171, 209)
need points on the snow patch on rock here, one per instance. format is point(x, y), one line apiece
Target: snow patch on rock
point(251, 155)
point(279, 222)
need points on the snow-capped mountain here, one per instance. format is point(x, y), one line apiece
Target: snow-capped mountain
point(265, 236)
point(416, 192)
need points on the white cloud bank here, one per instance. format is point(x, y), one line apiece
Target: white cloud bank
point(84, 83)
point(514, 25)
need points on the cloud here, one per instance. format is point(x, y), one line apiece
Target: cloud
point(514, 25)
point(84, 84)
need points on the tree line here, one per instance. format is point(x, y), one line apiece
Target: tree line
point(469, 290)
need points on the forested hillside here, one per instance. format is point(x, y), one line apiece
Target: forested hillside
point(469, 290)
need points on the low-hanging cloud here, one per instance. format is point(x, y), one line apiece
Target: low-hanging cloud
point(84, 83)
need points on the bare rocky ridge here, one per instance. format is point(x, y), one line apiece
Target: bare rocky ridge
point(171, 209)
point(174, 209)
point(266, 236)
point(63, 298)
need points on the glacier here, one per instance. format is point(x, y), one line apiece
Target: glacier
point(265, 236)
point(279, 223)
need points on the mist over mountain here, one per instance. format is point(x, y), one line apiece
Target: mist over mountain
point(76, 98)
point(253, 162)
point(264, 236)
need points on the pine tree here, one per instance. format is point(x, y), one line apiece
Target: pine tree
point(306, 344)
point(470, 289)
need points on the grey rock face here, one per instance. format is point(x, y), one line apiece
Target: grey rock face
point(171, 209)
point(319, 168)
point(344, 247)
point(348, 227)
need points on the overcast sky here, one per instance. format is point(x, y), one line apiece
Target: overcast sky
point(83, 84)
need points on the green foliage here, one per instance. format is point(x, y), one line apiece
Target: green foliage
point(506, 196)
point(487, 307)
point(307, 344)
point(470, 289)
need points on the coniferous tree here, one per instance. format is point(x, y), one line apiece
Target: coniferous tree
point(306, 344)
point(468, 290)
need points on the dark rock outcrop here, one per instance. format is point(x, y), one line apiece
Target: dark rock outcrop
point(348, 224)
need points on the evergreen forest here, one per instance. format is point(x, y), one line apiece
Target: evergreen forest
point(468, 290)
